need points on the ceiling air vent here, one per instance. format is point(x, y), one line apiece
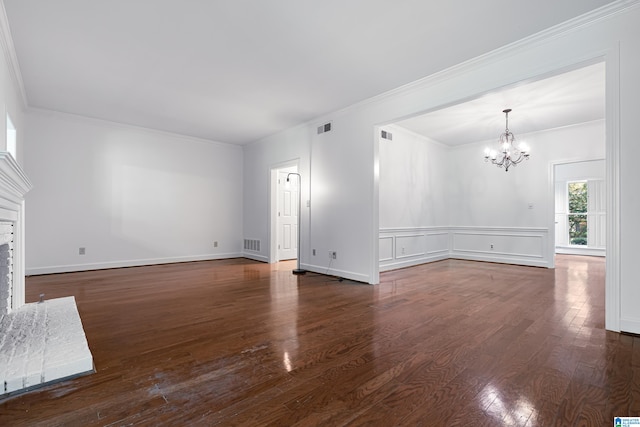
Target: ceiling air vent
point(324, 128)
point(387, 135)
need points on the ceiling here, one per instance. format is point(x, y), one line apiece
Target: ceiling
point(566, 99)
point(236, 71)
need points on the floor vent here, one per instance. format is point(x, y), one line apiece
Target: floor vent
point(252, 245)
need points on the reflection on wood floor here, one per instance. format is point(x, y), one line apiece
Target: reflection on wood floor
point(236, 342)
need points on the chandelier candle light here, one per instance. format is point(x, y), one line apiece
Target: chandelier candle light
point(509, 154)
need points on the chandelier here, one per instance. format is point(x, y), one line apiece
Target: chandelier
point(508, 153)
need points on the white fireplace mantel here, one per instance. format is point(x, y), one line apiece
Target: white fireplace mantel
point(14, 184)
point(41, 342)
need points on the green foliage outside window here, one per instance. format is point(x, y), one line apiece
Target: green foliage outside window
point(578, 213)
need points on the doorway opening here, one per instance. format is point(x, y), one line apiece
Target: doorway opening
point(284, 213)
point(580, 207)
point(577, 107)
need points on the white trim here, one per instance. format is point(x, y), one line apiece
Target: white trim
point(335, 272)
point(254, 256)
point(392, 249)
point(413, 262)
point(544, 258)
point(132, 263)
point(374, 255)
point(444, 229)
point(552, 200)
point(14, 184)
point(469, 66)
point(629, 325)
point(576, 250)
point(493, 229)
point(9, 49)
point(605, 12)
point(612, 169)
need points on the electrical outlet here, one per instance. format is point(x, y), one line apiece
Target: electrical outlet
point(82, 251)
point(334, 255)
point(492, 246)
point(314, 252)
point(215, 244)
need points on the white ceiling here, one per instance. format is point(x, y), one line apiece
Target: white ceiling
point(236, 71)
point(574, 97)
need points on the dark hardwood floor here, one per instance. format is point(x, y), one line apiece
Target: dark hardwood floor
point(237, 342)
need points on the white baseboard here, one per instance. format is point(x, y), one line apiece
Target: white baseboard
point(388, 266)
point(255, 257)
point(630, 325)
point(479, 256)
point(34, 271)
point(581, 251)
point(335, 272)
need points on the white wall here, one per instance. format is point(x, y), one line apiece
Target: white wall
point(291, 147)
point(344, 163)
point(413, 180)
point(130, 196)
point(414, 214)
point(483, 194)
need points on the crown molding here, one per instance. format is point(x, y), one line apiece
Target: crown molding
point(10, 54)
point(602, 13)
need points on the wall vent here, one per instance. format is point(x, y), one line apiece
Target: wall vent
point(387, 135)
point(324, 128)
point(252, 245)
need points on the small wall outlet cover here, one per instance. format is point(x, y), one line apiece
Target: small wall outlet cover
point(81, 251)
point(314, 252)
point(215, 244)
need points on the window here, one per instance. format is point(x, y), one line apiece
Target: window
point(577, 213)
point(11, 138)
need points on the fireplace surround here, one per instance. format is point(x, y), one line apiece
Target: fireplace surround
point(40, 342)
point(14, 184)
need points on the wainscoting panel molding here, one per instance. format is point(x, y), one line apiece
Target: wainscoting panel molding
point(405, 247)
point(510, 245)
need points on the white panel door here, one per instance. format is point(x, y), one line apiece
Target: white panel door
point(287, 216)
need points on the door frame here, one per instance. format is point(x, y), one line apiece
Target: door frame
point(273, 205)
point(552, 179)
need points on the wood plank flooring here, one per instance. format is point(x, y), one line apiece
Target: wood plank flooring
point(236, 342)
